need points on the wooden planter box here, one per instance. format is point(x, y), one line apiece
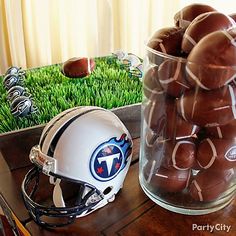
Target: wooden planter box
point(16, 145)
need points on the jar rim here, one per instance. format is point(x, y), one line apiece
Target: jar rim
point(185, 60)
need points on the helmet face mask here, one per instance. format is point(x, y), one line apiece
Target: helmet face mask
point(86, 148)
point(85, 198)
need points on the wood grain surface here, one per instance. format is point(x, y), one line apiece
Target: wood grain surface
point(132, 213)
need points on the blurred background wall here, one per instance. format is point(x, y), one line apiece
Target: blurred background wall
point(34, 33)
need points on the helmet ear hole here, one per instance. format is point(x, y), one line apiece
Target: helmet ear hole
point(107, 190)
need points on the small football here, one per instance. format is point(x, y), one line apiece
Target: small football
point(208, 185)
point(172, 77)
point(78, 67)
point(202, 25)
point(151, 84)
point(167, 40)
point(205, 108)
point(227, 131)
point(185, 16)
point(165, 179)
point(217, 154)
point(209, 68)
point(179, 155)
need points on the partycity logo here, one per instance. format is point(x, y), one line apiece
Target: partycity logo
point(211, 228)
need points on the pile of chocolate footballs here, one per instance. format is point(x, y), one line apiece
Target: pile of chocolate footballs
point(189, 105)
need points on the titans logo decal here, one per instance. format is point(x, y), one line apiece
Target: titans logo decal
point(110, 158)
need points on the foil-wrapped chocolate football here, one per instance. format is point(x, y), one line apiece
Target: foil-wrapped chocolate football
point(202, 25)
point(172, 77)
point(179, 154)
point(227, 131)
point(167, 40)
point(211, 63)
point(208, 108)
point(162, 118)
point(208, 185)
point(168, 180)
point(151, 85)
point(176, 127)
point(217, 153)
point(187, 14)
point(155, 115)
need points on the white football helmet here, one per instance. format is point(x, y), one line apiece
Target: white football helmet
point(87, 146)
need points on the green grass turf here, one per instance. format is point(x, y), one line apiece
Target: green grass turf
point(109, 86)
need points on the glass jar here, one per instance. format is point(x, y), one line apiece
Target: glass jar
point(188, 134)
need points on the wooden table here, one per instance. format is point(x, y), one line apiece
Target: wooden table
point(132, 213)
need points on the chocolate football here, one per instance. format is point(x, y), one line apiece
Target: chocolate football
point(185, 16)
point(209, 68)
point(151, 85)
point(155, 117)
point(78, 67)
point(172, 77)
point(227, 131)
point(150, 138)
point(155, 151)
point(165, 179)
point(208, 185)
point(167, 40)
point(176, 126)
point(208, 108)
point(202, 25)
point(162, 118)
point(217, 153)
point(179, 155)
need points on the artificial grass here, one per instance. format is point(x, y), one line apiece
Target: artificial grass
point(109, 86)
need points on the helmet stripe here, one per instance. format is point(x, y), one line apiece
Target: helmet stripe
point(42, 139)
point(56, 138)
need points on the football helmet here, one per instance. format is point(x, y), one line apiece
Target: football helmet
point(119, 54)
point(22, 106)
point(87, 148)
point(13, 70)
point(15, 92)
point(130, 61)
point(12, 80)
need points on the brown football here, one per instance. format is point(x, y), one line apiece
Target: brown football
point(155, 115)
point(186, 15)
point(202, 25)
point(208, 185)
point(209, 68)
point(162, 118)
point(208, 108)
point(151, 84)
point(165, 179)
point(227, 131)
point(176, 126)
point(217, 153)
point(179, 154)
point(167, 40)
point(172, 77)
point(78, 67)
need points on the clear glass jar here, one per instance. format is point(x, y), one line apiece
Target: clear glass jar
point(188, 134)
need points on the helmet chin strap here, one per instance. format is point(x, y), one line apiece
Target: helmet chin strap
point(57, 192)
